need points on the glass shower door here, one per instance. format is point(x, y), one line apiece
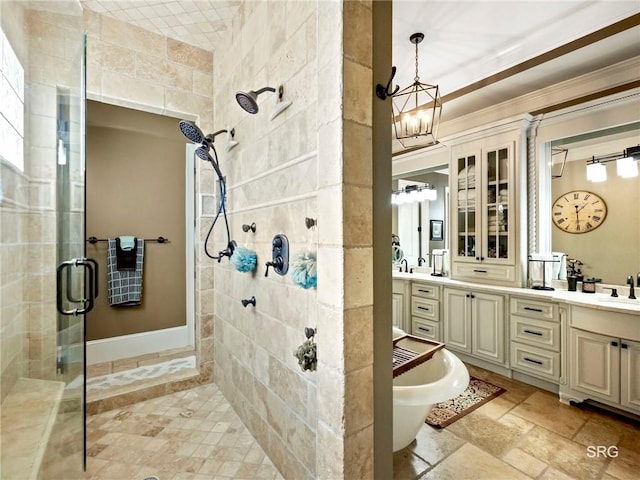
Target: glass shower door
point(42, 97)
point(76, 275)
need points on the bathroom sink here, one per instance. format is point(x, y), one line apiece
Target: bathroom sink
point(619, 301)
point(421, 269)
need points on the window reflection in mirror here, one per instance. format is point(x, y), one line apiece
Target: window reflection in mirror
point(612, 250)
point(411, 221)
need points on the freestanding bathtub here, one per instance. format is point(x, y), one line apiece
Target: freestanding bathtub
point(441, 378)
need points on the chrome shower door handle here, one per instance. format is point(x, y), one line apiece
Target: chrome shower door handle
point(92, 280)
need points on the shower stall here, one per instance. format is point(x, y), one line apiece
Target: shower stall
point(46, 283)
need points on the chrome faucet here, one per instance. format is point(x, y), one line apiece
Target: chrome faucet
point(420, 260)
point(406, 265)
point(632, 295)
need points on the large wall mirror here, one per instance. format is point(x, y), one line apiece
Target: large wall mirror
point(422, 226)
point(608, 246)
point(608, 239)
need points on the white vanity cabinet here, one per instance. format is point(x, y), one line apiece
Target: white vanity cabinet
point(604, 363)
point(483, 207)
point(400, 297)
point(535, 338)
point(606, 368)
point(425, 311)
point(474, 324)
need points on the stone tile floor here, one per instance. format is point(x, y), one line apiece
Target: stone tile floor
point(189, 435)
point(525, 433)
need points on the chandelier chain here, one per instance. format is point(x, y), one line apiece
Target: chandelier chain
point(417, 78)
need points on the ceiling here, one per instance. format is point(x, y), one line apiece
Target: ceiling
point(466, 42)
point(202, 23)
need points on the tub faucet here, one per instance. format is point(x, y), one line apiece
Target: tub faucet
point(420, 260)
point(406, 265)
point(632, 295)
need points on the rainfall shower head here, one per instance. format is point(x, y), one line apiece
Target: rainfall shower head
point(248, 100)
point(191, 131)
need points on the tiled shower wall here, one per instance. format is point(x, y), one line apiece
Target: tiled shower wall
point(45, 43)
point(135, 68)
point(14, 218)
point(314, 161)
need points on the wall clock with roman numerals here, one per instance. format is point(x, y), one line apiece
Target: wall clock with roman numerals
point(579, 211)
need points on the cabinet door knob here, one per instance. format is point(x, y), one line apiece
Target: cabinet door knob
point(624, 345)
point(614, 344)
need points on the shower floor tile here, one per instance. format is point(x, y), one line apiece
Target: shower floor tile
point(167, 437)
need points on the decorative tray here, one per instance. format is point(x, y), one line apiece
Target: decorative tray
point(410, 351)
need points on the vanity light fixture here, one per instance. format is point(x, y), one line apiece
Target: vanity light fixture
point(627, 167)
point(596, 171)
point(626, 164)
point(417, 109)
point(414, 193)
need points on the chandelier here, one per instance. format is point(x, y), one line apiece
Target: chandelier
point(417, 109)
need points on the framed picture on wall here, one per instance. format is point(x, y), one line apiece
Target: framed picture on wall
point(435, 230)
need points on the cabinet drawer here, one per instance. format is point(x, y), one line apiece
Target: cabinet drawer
point(425, 291)
point(429, 309)
point(425, 329)
point(479, 271)
point(535, 361)
point(538, 333)
point(534, 309)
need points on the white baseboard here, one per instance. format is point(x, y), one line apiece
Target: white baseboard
point(126, 346)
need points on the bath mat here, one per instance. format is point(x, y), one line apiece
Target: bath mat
point(477, 394)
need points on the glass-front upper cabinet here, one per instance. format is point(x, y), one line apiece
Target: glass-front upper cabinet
point(466, 206)
point(496, 207)
point(482, 185)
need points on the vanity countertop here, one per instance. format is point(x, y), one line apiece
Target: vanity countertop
point(601, 301)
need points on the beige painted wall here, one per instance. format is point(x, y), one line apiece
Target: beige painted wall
point(135, 171)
